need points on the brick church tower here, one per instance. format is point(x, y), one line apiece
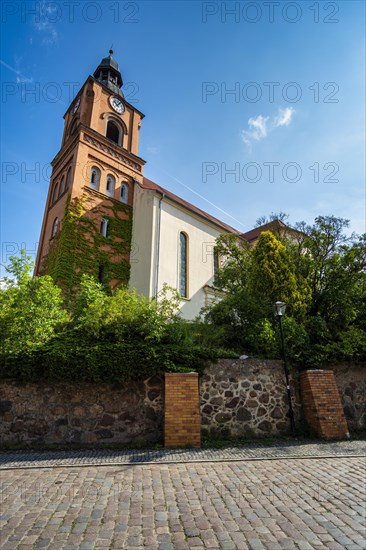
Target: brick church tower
point(87, 224)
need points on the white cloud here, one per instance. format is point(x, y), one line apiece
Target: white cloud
point(257, 130)
point(284, 117)
point(259, 127)
point(152, 150)
point(45, 23)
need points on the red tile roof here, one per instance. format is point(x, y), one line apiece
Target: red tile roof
point(148, 184)
point(254, 233)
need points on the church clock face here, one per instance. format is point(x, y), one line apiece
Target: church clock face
point(117, 105)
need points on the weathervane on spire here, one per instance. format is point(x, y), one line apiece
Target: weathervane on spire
point(111, 50)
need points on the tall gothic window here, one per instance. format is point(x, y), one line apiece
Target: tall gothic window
point(114, 132)
point(102, 274)
point(54, 228)
point(183, 265)
point(62, 185)
point(94, 178)
point(124, 193)
point(216, 261)
point(73, 126)
point(104, 227)
point(68, 179)
point(55, 193)
point(109, 187)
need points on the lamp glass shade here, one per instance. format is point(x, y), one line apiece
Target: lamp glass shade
point(280, 308)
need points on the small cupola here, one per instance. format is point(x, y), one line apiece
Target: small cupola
point(108, 73)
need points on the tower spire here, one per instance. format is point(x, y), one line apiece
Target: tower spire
point(108, 73)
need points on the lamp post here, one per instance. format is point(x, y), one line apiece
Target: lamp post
point(280, 308)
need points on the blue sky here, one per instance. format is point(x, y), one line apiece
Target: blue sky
point(289, 137)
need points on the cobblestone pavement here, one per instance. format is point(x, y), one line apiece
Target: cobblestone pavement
point(251, 451)
point(255, 504)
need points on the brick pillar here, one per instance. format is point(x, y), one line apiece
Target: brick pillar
point(322, 404)
point(182, 426)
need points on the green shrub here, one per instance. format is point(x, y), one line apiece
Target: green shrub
point(73, 360)
point(263, 339)
point(103, 337)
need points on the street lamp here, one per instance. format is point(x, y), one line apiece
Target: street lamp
point(280, 308)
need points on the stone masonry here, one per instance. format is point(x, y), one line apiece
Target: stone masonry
point(238, 398)
point(81, 414)
point(246, 397)
point(351, 383)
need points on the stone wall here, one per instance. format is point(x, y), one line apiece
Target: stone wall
point(82, 414)
point(241, 398)
point(246, 397)
point(351, 382)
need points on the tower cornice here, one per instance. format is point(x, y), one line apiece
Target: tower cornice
point(107, 146)
point(65, 151)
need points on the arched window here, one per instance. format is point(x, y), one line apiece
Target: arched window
point(62, 184)
point(216, 261)
point(124, 193)
point(68, 179)
point(94, 178)
point(73, 126)
point(102, 274)
point(110, 184)
point(183, 265)
point(114, 132)
point(54, 228)
point(104, 227)
point(55, 193)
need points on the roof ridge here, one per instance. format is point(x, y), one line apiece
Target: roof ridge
point(186, 204)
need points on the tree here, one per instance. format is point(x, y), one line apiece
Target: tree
point(281, 216)
point(31, 309)
point(321, 275)
point(336, 271)
point(274, 277)
point(253, 278)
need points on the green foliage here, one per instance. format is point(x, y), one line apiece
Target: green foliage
point(89, 332)
point(79, 248)
point(320, 274)
point(263, 339)
point(337, 269)
point(104, 337)
point(31, 309)
point(296, 339)
point(123, 316)
point(69, 358)
point(274, 277)
point(351, 345)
